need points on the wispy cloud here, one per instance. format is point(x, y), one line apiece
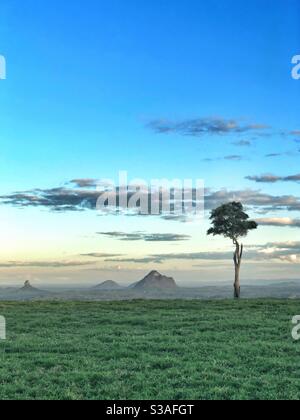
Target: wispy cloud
point(147, 237)
point(45, 264)
point(101, 255)
point(279, 222)
point(282, 252)
point(271, 179)
point(281, 154)
point(233, 158)
point(200, 127)
point(295, 133)
point(142, 260)
point(254, 199)
point(85, 183)
point(161, 258)
point(56, 199)
point(242, 143)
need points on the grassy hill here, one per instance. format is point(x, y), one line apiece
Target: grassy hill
point(150, 350)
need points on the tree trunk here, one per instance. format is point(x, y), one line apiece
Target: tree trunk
point(237, 284)
point(237, 258)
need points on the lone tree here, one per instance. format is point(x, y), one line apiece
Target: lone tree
point(230, 221)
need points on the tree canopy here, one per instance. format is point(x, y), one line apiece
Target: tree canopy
point(230, 221)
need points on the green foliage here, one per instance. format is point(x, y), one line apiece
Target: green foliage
point(230, 221)
point(150, 350)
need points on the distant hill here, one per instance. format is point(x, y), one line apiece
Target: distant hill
point(27, 288)
point(132, 286)
point(108, 285)
point(285, 284)
point(155, 280)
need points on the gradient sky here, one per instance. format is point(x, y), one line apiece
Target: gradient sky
point(90, 86)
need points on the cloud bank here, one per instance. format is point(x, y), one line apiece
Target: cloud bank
point(146, 237)
point(66, 199)
point(200, 127)
point(272, 179)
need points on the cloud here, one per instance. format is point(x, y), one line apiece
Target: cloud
point(80, 199)
point(242, 143)
point(279, 222)
point(271, 155)
point(147, 237)
point(234, 158)
point(281, 252)
point(161, 258)
point(293, 246)
point(271, 179)
point(216, 256)
point(200, 127)
point(67, 199)
point(195, 256)
point(101, 255)
point(268, 178)
point(175, 218)
point(56, 199)
point(85, 183)
point(254, 199)
point(44, 264)
point(280, 154)
point(143, 260)
point(293, 259)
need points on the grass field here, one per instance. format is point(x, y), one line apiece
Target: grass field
point(150, 350)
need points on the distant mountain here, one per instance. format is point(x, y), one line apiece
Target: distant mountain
point(27, 288)
point(108, 285)
point(155, 280)
point(285, 284)
point(132, 286)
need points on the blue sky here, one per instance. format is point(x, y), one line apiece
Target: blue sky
point(84, 82)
